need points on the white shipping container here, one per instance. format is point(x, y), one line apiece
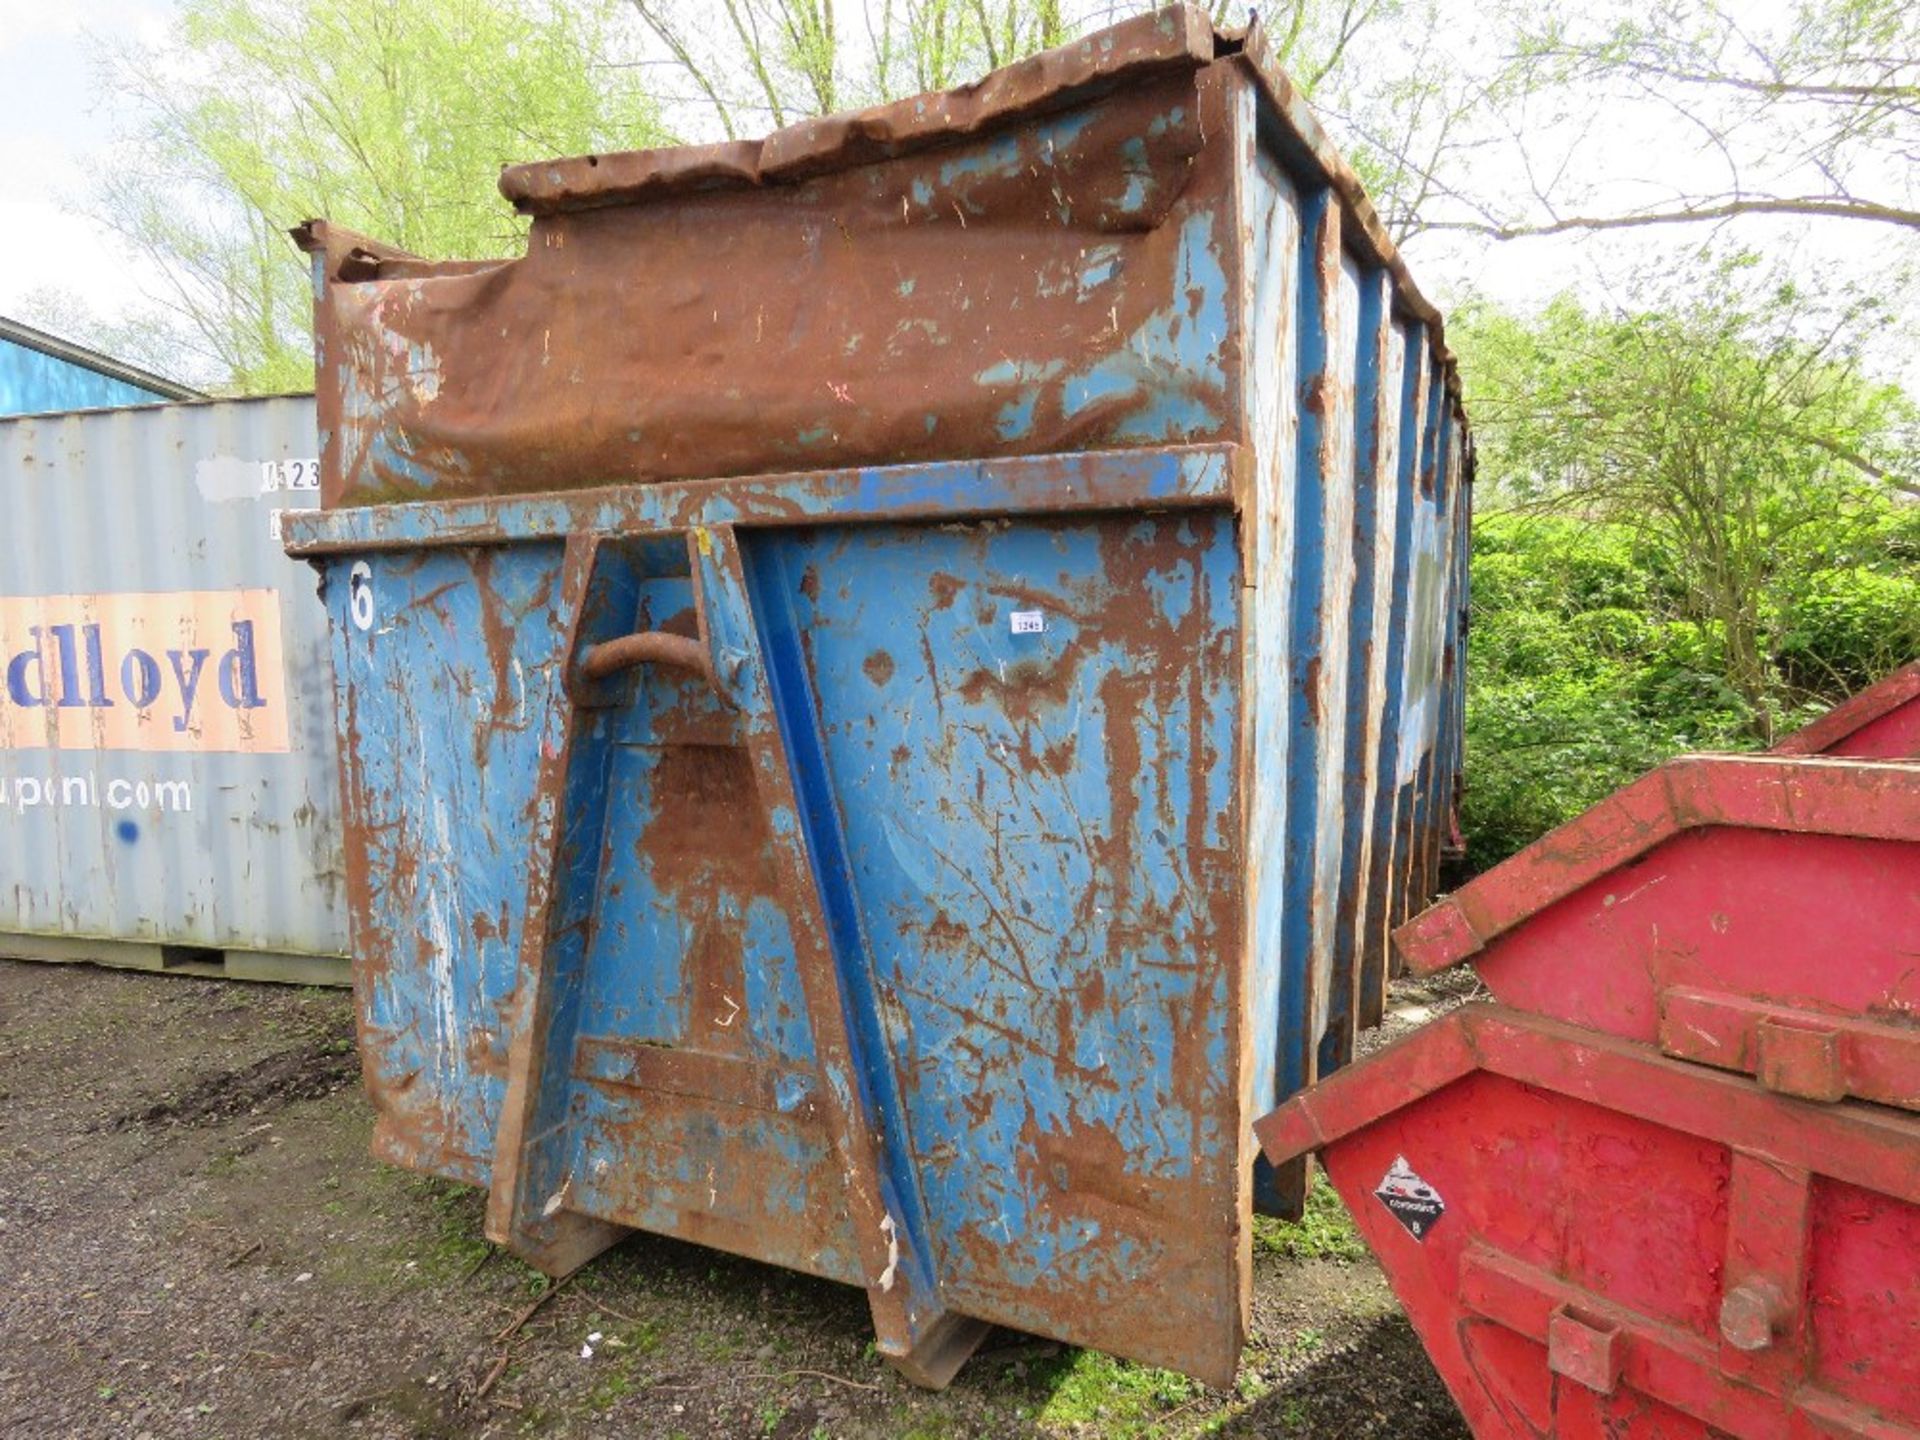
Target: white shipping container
point(168, 784)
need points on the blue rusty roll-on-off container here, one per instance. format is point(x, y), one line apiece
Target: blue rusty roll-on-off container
point(891, 682)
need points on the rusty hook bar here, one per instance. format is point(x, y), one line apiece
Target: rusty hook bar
point(646, 647)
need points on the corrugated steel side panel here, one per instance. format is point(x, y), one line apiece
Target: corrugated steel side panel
point(144, 566)
point(1356, 546)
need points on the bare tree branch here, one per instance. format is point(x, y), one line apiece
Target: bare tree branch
point(656, 21)
point(1824, 207)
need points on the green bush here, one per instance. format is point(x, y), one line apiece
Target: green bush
point(1583, 672)
point(1851, 626)
point(1577, 682)
point(1708, 533)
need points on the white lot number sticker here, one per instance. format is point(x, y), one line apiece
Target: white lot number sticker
point(278, 475)
point(1413, 1202)
point(1027, 622)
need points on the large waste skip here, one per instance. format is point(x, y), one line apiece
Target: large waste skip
point(1668, 1183)
point(891, 682)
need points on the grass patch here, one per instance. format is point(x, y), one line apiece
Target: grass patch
point(1324, 1230)
point(619, 1358)
point(716, 1345)
point(227, 1161)
point(455, 1214)
point(426, 1230)
point(613, 1386)
point(921, 1424)
point(1107, 1396)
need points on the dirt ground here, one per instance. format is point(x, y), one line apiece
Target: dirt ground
point(194, 1242)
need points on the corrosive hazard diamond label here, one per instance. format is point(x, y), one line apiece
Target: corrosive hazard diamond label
point(1414, 1203)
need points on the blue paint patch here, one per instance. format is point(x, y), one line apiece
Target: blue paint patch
point(127, 831)
point(998, 158)
point(390, 459)
point(1099, 265)
point(1138, 170)
point(1173, 362)
point(1063, 132)
point(1015, 420)
point(1082, 392)
point(1019, 372)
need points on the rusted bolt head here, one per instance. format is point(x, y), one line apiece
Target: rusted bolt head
point(1751, 1314)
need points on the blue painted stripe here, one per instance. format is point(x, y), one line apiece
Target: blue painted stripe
point(1118, 480)
point(770, 590)
point(1433, 483)
point(1381, 884)
point(1449, 746)
point(1304, 748)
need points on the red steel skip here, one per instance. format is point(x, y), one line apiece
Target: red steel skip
point(1668, 1183)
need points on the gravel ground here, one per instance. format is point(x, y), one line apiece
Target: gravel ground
point(197, 1244)
point(1413, 1000)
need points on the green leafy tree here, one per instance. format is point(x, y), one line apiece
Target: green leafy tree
point(1728, 431)
point(393, 118)
point(758, 65)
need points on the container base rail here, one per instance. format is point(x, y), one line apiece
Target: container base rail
point(1666, 1183)
point(274, 967)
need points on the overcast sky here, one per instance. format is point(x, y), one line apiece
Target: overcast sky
point(54, 129)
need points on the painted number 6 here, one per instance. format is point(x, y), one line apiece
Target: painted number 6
point(360, 594)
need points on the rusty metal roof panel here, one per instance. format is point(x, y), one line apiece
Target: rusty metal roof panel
point(1038, 263)
point(1173, 40)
